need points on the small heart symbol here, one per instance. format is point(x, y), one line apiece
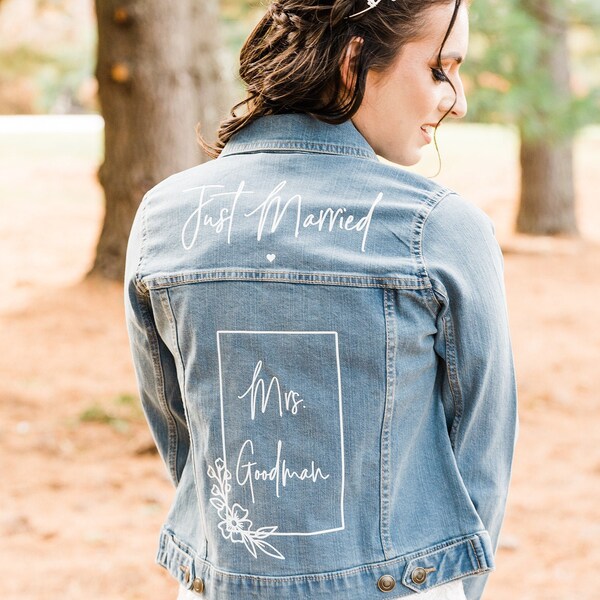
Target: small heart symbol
point(270, 257)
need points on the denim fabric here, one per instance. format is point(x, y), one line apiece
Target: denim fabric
point(322, 352)
point(447, 591)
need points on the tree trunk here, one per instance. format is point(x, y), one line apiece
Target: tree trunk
point(547, 205)
point(152, 94)
point(547, 195)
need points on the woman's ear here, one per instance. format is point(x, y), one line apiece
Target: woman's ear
point(348, 65)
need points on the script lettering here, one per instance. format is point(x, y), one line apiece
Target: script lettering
point(280, 473)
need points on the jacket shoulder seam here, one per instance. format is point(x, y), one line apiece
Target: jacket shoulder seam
point(430, 203)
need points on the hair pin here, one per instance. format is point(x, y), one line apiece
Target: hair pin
point(371, 3)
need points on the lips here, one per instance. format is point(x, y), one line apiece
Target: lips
point(427, 132)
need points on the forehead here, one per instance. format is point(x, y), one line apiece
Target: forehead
point(436, 22)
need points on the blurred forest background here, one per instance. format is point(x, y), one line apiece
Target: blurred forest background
point(533, 66)
point(99, 101)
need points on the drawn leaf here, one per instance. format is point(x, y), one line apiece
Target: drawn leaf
point(270, 550)
point(235, 517)
point(249, 545)
point(218, 503)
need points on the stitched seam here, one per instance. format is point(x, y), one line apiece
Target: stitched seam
point(158, 282)
point(442, 581)
point(390, 350)
point(291, 281)
point(476, 555)
point(432, 302)
point(285, 272)
point(453, 381)
point(166, 302)
point(160, 390)
point(418, 234)
point(451, 359)
point(173, 437)
point(307, 147)
point(479, 569)
point(138, 277)
point(323, 576)
point(431, 203)
point(435, 549)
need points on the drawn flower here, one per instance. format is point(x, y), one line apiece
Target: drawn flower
point(235, 523)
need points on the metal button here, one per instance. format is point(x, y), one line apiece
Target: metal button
point(419, 575)
point(186, 574)
point(386, 583)
point(198, 585)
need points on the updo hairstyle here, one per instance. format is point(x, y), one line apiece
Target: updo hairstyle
point(291, 61)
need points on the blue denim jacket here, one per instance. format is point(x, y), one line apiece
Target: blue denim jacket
point(322, 351)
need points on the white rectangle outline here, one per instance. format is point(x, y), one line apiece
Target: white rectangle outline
point(339, 374)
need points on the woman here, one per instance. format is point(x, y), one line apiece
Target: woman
point(320, 338)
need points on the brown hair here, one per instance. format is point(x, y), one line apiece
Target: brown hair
point(291, 62)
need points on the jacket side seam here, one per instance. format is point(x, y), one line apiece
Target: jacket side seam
point(166, 302)
point(159, 385)
point(138, 282)
point(390, 386)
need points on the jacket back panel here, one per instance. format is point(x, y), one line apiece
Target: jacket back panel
point(291, 357)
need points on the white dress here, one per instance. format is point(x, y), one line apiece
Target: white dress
point(449, 591)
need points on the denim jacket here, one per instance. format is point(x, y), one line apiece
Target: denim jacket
point(322, 351)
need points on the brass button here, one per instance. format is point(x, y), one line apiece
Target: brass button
point(386, 583)
point(186, 574)
point(419, 575)
point(198, 585)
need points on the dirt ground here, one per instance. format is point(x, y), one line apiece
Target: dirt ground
point(82, 497)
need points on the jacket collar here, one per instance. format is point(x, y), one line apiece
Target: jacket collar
point(299, 133)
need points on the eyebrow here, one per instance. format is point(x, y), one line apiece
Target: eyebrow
point(452, 56)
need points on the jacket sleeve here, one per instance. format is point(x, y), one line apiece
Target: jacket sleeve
point(464, 264)
point(154, 364)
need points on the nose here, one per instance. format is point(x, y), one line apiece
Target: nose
point(455, 103)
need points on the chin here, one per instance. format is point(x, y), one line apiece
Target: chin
point(404, 159)
point(410, 162)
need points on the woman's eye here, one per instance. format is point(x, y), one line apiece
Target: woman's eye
point(438, 74)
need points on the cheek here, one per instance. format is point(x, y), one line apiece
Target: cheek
point(412, 98)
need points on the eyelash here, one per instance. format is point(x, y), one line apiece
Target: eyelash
point(438, 74)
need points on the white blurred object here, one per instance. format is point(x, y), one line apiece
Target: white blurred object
point(51, 123)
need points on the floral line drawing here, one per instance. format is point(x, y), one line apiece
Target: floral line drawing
point(235, 524)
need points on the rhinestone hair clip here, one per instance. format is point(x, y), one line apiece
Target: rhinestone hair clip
point(371, 3)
